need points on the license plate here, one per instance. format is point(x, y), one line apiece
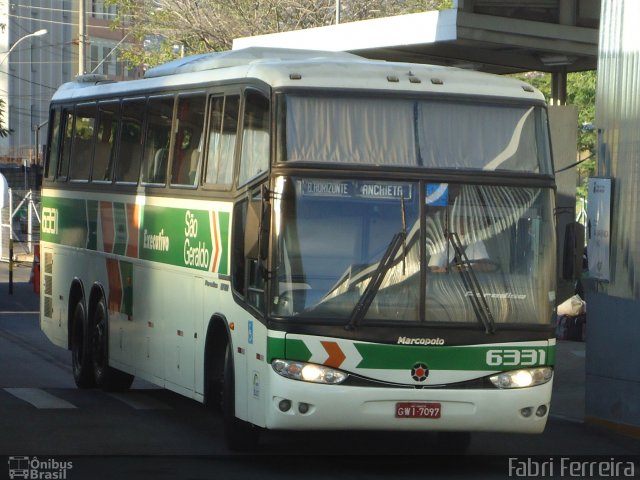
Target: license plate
point(418, 410)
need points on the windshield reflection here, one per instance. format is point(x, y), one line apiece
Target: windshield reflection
point(332, 235)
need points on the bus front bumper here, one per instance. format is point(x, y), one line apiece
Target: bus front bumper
point(335, 407)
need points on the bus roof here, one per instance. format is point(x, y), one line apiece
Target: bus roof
point(302, 68)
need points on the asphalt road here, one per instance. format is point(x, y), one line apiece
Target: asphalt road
point(153, 433)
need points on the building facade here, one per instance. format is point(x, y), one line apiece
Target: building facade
point(613, 356)
point(36, 66)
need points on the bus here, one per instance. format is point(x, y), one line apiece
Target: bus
point(307, 241)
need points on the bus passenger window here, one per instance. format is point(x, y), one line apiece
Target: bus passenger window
point(104, 155)
point(53, 153)
point(223, 128)
point(255, 137)
point(155, 157)
point(130, 145)
point(188, 145)
point(67, 136)
point(82, 146)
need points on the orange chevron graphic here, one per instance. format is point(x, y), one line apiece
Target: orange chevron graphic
point(215, 243)
point(336, 355)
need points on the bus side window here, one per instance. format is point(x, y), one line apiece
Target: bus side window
point(67, 136)
point(53, 142)
point(104, 156)
point(188, 143)
point(82, 144)
point(255, 137)
point(155, 157)
point(130, 144)
point(223, 130)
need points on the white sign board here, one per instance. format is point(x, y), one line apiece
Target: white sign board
point(4, 192)
point(599, 228)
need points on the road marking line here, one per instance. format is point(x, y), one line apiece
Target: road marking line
point(566, 418)
point(140, 401)
point(39, 398)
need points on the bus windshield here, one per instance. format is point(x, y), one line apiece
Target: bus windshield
point(332, 235)
point(405, 132)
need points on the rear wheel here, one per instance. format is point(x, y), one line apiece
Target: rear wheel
point(81, 358)
point(238, 434)
point(106, 377)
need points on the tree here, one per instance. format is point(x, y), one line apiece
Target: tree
point(4, 132)
point(164, 29)
point(581, 92)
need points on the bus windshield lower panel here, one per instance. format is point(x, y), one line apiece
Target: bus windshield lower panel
point(447, 251)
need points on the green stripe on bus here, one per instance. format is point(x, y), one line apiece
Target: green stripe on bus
point(223, 219)
point(297, 350)
point(275, 348)
point(175, 236)
point(401, 357)
point(65, 221)
point(391, 357)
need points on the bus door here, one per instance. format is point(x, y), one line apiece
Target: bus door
point(251, 233)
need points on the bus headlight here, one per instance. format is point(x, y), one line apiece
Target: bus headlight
point(308, 372)
point(526, 377)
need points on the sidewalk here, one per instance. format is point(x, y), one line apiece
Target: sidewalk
point(568, 397)
point(23, 297)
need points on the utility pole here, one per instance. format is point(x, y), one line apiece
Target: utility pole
point(81, 37)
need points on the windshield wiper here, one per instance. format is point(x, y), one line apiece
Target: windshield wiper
point(478, 302)
point(361, 308)
point(403, 216)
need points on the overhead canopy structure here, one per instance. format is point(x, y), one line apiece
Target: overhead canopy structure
point(497, 36)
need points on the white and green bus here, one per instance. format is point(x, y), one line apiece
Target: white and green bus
point(308, 240)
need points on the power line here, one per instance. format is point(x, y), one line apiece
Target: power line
point(30, 81)
point(93, 13)
point(46, 8)
point(54, 22)
point(50, 45)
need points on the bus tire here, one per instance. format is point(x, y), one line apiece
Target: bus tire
point(238, 434)
point(81, 358)
point(107, 378)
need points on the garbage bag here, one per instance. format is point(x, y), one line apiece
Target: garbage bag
point(572, 307)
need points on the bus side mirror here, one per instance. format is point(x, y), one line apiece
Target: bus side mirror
point(252, 229)
point(265, 224)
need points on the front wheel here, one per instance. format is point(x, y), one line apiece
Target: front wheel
point(238, 434)
point(81, 357)
point(106, 377)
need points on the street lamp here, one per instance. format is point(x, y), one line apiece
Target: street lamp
point(39, 33)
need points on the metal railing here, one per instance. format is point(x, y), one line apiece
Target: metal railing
point(20, 224)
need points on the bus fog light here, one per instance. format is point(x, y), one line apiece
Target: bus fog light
point(526, 412)
point(284, 405)
point(303, 407)
point(527, 377)
point(308, 372)
point(541, 411)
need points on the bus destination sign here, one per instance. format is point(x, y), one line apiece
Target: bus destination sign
point(357, 189)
